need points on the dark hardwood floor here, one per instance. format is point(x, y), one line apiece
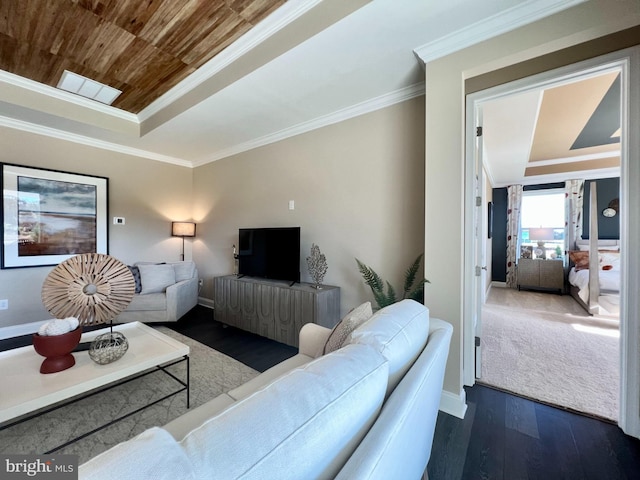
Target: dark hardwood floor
point(255, 351)
point(501, 437)
point(507, 437)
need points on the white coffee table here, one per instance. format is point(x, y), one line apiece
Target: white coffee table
point(24, 390)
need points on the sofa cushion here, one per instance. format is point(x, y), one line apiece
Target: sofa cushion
point(149, 302)
point(399, 332)
point(341, 332)
point(304, 425)
point(268, 376)
point(179, 427)
point(156, 278)
point(184, 270)
point(152, 455)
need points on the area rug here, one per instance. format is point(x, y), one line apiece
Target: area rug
point(212, 373)
point(566, 360)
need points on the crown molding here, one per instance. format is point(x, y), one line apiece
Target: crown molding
point(338, 116)
point(562, 177)
point(510, 19)
point(56, 93)
point(279, 19)
point(91, 142)
point(577, 158)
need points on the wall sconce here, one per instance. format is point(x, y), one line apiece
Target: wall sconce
point(183, 229)
point(612, 208)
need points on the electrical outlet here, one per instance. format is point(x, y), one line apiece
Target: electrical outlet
point(118, 220)
point(4, 304)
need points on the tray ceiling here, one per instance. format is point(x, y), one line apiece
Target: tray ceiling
point(141, 47)
point(550, 135)
point(208, 79)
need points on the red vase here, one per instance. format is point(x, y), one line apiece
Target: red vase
point(57, 350)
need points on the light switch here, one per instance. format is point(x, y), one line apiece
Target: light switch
point(292, 205)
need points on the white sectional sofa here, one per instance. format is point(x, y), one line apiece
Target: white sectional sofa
point(366, 410)
point(164, 292)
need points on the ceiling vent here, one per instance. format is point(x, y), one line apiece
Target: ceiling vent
point(74, 83)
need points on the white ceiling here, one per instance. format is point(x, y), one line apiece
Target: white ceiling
point(363, 62)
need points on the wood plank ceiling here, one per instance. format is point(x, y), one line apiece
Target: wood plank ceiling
point(141, 47)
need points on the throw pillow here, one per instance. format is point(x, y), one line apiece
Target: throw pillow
point(156, 278)
point(135, 271)
point(345, 327)
point(580, 259)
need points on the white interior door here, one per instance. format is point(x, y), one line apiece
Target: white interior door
point(480, 272)
point(474, 266)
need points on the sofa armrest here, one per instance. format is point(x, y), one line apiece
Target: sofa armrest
point(181, 297)
point(312, 339)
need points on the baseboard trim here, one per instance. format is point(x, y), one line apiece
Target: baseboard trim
point(499, 284)
point(206, 302)
point(20, 330)
point(454, 404)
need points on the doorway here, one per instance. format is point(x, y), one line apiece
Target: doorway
point(472, 319)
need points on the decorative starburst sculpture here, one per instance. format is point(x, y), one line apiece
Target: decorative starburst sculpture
point(317, 264)
point(94, 288)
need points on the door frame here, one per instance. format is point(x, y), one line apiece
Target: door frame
point(628, 60)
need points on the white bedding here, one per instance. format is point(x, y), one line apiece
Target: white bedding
point(609, 282)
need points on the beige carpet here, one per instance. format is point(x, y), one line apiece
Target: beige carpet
point(566, 359)
point(212, 373)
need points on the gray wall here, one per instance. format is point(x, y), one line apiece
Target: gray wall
point(358, 188)
point(147, 193)
point(606, 190)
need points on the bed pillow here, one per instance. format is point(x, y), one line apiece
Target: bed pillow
point(609, 260)
point(580, 259)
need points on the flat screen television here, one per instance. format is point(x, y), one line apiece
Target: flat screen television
point(272, 253)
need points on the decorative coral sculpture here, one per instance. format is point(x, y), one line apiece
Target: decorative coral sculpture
point(317, 264)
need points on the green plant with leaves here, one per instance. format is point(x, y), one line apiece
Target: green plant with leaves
point(384, 293)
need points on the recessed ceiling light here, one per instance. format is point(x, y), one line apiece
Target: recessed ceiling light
point(83, 86)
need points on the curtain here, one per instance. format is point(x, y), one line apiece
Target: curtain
point(573, 199)
point(514, 201)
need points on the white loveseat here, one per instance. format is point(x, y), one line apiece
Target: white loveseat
point(364, 411)
point(164, 292)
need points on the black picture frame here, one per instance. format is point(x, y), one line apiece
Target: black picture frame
point(50, 216)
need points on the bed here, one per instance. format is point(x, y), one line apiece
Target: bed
point(594, 276)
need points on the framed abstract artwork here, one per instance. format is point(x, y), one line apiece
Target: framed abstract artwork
point(50, 216)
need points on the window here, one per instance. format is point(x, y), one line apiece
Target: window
point(542, 223)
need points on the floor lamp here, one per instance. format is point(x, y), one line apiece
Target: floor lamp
point(183, 229)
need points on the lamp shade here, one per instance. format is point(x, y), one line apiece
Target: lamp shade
point(541, 234)
point(183, 229)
